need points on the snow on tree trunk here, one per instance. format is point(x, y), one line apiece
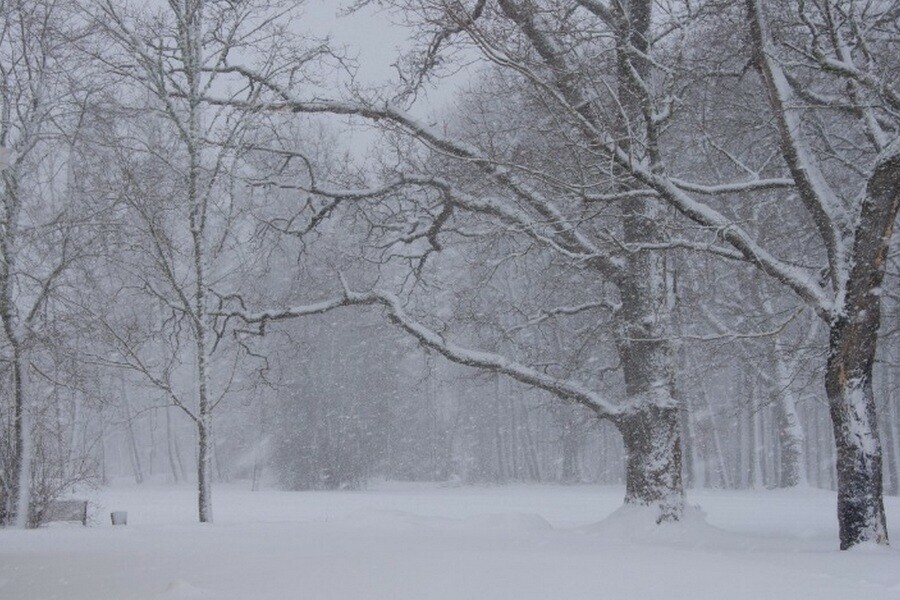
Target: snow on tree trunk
point(192, 48)
point(861, 514)
point(652, 431)
point(848, 376)
point(653, 467)
point(792, 451)
point(793, 454)
point(755, 443)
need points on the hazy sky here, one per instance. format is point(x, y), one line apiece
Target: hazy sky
point(375, 40)
point(368, 33)
point(372, 37)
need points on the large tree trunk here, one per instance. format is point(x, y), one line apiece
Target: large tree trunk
point(651, 432)
point(644, 318)
point(859, 463)
point(848, 376)
point(848, 384)
point(653, 467)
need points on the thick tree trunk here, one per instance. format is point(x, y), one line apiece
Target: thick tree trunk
point(644, 319)
point(653, 464)
point(859, 462)
point(651, 432)
point(848, 376)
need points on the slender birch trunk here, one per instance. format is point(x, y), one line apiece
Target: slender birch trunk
point(791, 437)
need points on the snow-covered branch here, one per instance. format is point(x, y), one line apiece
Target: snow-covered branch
point(829, 215)
point(565, 311)
point(564, 388)
point(545, 209)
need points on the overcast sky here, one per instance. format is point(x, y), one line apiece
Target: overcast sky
point(375, 40)
point(368, 33)
point(372, 37)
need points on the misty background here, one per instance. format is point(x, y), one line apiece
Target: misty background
point(106, 320)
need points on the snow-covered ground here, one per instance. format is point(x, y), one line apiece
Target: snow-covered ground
point(427, 542)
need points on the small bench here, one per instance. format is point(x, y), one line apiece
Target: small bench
point(66, 510)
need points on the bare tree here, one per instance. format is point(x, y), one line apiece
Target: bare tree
point(840, 64)
point(175, 58)
point(45, 227)
point(648, 419)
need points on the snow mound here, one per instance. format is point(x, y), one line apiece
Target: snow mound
point(638, 524)
point(874, 548)
point(181, 589)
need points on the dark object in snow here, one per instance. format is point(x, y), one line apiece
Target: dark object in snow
point(66, 510)
point(119, 517)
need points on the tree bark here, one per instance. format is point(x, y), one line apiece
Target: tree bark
point(848, 376)
point(20, 479)
point(861, 516)
point(653, 463)
point(652, 434)
point(204, 472)
point(652, 431)
point(790, 432)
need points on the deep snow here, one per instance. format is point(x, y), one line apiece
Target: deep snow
point(398, 541)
